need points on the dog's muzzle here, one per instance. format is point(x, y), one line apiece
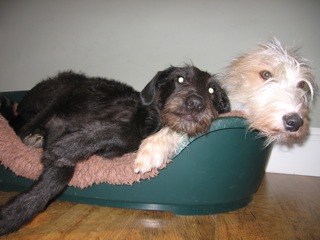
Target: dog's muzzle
point(292, 122)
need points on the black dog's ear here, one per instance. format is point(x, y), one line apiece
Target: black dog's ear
point(150, 91)
point(222, 102)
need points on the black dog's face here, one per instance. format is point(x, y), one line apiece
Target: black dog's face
point(189, 98)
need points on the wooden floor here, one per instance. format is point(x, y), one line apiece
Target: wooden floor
point(285, 207)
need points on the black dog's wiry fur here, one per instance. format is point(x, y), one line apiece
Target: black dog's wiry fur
point(81, 116)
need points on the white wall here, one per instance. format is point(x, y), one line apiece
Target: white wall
point(131, 40)
point(300, 160)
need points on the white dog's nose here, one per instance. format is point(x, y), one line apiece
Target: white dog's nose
point(292, 122)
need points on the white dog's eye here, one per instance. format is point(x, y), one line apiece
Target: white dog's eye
point(211, 90)
point(180, 79)
point(265, 74)
point(304, 86)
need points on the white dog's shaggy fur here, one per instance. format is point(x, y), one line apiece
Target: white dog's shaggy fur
point(273, 86)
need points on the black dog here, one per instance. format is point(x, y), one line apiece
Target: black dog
point(82, 116)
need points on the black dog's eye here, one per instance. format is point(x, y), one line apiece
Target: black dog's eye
point(265, 74)
point(180, 79)
point(211, 90)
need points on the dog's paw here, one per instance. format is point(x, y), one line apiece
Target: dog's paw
point(156, 149)
point(153, 152)
point(34, 140)
point(148, 159)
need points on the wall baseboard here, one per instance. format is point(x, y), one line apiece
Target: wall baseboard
point(299, 160)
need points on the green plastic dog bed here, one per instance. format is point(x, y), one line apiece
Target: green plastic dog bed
point(216, 173)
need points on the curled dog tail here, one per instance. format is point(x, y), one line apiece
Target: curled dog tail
point(24, 207)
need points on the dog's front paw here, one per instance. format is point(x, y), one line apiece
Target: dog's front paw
point(149, 156)
point(153, 151)
point(156, 149)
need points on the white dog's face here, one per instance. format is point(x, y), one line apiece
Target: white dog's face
point(274, 87)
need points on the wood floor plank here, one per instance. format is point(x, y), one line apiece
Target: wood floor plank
point(285, 207)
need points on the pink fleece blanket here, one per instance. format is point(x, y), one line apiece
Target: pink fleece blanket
point(26, 162)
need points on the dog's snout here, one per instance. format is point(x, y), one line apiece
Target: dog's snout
point(194, 103)
point(292, 122)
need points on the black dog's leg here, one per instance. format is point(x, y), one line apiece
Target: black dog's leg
point(60, 157)
point(23, 208)
point(59, 167)
point(40, 118)
point(59, 161)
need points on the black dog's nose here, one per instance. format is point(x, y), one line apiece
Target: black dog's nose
point(292, 122)
point(194, 103)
